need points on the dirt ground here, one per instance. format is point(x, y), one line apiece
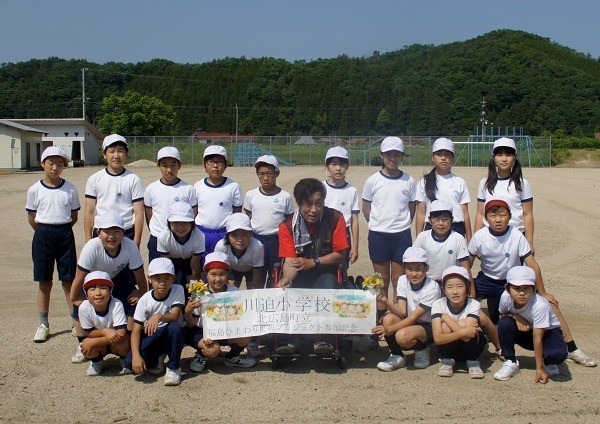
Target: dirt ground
point(39, 384)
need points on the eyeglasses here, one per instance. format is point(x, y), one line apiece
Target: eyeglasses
point(266, 174)
point(215, 162)
point(443, 219)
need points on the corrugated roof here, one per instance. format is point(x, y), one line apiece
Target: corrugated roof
point(18, 126)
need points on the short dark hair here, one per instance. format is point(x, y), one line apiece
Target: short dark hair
point(495, 209)
point(306, 187)
point(342, 160)
point(213, 157)
point(440, 213)
point(117, 143)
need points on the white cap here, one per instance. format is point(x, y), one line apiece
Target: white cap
point(109, 220)
point(168, 152)
point(215, 150)
point(440, 206)
point(443, 144)
point(161, 266)
point(454, 271)
point(521, 276)
point(97, 278)
point(415, 254)
point(337, 152)
point(505, 142)
point(269, 160)
point(54, 151)
point(238, 221)
point(181, 212)
point(217, 259)
point(392, 143)
point(109, 140)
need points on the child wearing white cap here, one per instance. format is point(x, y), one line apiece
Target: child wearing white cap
point(388, 204)
point(342, 196)
point(505, 180)
point(408, 325)
point(167, 190)
point(115, 189)
point(268, 205)
point(158, 325)
point(183, 243)
point(528, 320)
point(52, 210)
point(102, 317)
point(442, 184)
point(246, 254)
point(218, 197)
point(455, 321)
point(117, 255)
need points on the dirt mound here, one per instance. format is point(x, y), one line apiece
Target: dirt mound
point(142, 163)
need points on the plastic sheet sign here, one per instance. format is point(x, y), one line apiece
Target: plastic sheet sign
point(291, 311)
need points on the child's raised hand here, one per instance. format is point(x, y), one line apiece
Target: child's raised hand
point(522, 324)
point(540, 377)
point(151, 325)
point(382, 299)
point(550, 299)
point(134, 297)
point(192, 305)
point(379, 330)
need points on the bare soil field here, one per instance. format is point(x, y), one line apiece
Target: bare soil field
point(39, 384)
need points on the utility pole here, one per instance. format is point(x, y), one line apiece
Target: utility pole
point(83, 93)
point(236, 123)
point(483, 122)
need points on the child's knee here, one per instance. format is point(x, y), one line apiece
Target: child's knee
point(242, 341)
point(404, 339)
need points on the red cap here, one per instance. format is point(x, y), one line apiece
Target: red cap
point(496, 203)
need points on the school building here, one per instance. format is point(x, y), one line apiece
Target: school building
point(21, 146)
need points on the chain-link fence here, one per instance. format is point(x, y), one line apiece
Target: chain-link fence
point(363, 150)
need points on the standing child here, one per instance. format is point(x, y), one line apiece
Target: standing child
point(388, 204)
point(343, 196)
point(218, 197)
point(408, 325)
point(52, 208)
point(455, 323)
point(115, 189)
point(158, 325)
point(216, 267)
point(162, 193)
point(103, 319)
point(245, 253)
point(268, 206)
point(528, 320)
point(441, 183)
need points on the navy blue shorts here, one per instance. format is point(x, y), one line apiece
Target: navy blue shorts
point(271, 245)
point(388, 247)
point(427, 327)
point(183, 268)
point(152, 248)
point(192, 335)
point(488, 287)
point(457, 227)
point(53, 243)
point(124, 284)
point(239, 275)
point(211, 238)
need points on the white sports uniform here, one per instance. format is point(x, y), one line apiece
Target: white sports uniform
point(159, 196)
point(506, 190)
point(253, 257)
point(148, 305)
point(268, 211)
point(94, 257)
point(115, 193)
point(537, 311)
point(216, 203)
point(423, 297)
point(442, 253)
point(52, 205)
point(343, 199)
point(451, 189)
point(471, 309)
point(114, 317)
point(167, 244)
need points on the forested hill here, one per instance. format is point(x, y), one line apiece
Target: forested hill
point(420, 89)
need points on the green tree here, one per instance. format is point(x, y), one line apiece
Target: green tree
point(135, 114)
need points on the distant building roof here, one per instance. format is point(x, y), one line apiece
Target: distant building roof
point(63, 121)
point(305, 139)
point(13, 124)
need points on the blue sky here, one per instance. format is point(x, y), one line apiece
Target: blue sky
point(200, 31)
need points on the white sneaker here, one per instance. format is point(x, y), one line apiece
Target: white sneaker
point(580, 358)
point(509, 369)
point(422, 358)
point(475, 370)
point(78, 357)
point(447, 368)
point(241, 361)
point(160, 366)
point(392, 363)
point(125, 371)
point(551, 370)
point(41, 334)
point(95, 368)
point(172, 377)
point(254, 351)
point(73, 331)
point(198, 363)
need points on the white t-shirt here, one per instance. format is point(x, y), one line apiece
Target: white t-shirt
point(167, 244)
point(160, 196)
point(197, 313)
point(114, 317)
point(52, 205)
point(537, 311)
point(148, 305)
point(216, 203)
point(389, 198)
point(498, 254)
point(115, 193)
point(94, 257)
point(423, 297)
point(515, 199)
point(343, 199)
point(450, 188)
point(253, 257)
point(442, 253)
point(268, 211)
point(471, 309)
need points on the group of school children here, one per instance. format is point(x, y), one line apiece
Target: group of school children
point(200, 232)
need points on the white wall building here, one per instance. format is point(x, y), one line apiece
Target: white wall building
point(21, 146)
